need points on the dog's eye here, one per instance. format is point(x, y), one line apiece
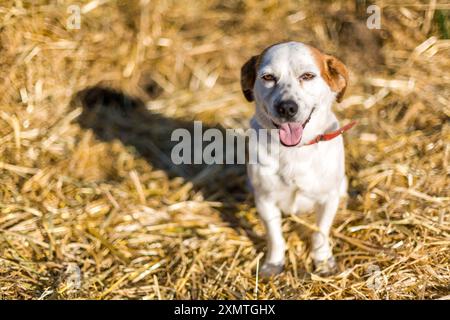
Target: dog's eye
point(307, 76)
point(268, 77)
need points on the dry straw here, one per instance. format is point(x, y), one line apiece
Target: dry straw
point(91, 206)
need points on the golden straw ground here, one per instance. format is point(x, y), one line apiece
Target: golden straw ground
point(92, 207)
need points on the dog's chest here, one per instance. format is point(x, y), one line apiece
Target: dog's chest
point(300, 172)
point(292, 170)
point(292, 187)
point(299, 176)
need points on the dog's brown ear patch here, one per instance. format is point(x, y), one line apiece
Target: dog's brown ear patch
point(333, 71)
point(248, 76)
point(337, 75)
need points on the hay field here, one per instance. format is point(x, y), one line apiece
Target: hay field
point(91, 206)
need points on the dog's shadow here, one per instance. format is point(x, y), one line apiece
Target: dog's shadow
point(112, 114)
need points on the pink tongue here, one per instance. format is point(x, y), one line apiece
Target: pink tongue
point(291, 133)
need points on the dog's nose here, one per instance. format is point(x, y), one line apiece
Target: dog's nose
point(286, 109)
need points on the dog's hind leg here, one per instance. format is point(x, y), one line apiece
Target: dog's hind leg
point(343, 188)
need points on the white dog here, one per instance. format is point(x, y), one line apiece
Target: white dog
point(294, 86)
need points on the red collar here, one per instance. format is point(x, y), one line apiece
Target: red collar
point(331, 135)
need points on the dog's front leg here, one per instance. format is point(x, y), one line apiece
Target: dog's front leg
point(271, 217)
point(321, 250)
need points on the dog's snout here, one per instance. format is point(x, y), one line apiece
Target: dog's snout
point(286, 109)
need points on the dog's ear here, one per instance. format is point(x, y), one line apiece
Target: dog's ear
point(336, 75)
point(248, 76)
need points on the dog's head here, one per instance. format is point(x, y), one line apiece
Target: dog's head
point(289, 82)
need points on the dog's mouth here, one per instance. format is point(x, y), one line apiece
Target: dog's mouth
point(291, 133)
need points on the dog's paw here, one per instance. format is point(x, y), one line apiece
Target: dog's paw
point(326, 268)
point(270, 269)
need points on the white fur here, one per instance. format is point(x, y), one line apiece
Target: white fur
point(304, 177)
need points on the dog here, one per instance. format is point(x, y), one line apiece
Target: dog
point(294, 86)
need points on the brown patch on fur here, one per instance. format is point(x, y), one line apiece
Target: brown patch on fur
point(248, 77)
point(333, 71)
